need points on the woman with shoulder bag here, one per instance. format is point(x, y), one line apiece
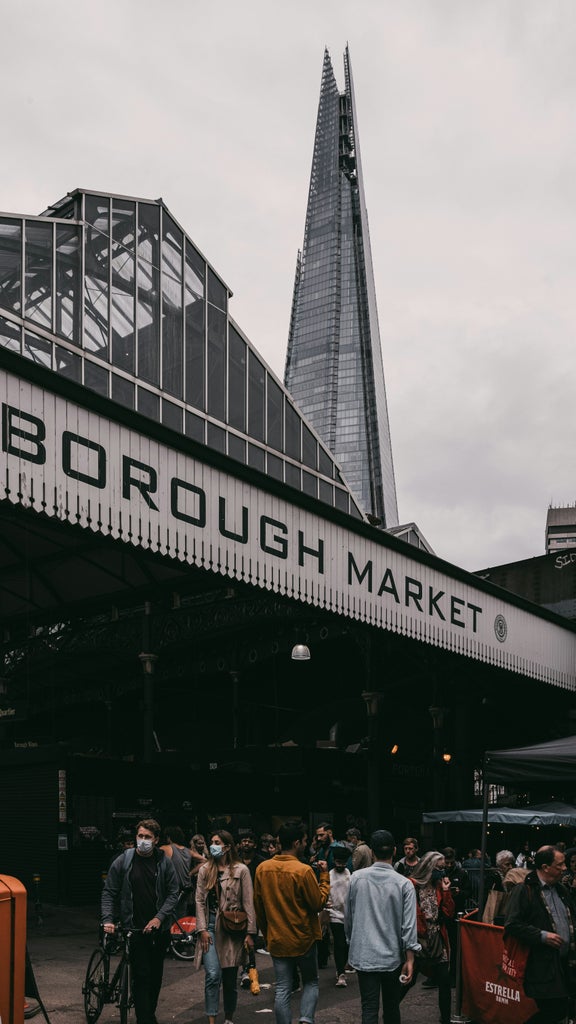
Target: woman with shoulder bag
point(225, 922)
point(434, 906)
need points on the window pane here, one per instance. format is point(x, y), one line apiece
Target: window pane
point(38, 273)
point(216, 437)
point(11, 264)
point(237, 381)
point(292, 474)
point(256, 457)
point(275, 466)
point(326, 492)
point(96, 274)
point(256, 377)
point(236, 448)
point(38, 349)
point(123, 391)
point(172, 327)
point(292, 447)
point(341, 499)
point(148, 293)
point(148, 404)
point(216, 363)
point(172, 415)
point(68, 363)
point(309, 484)
point(195, 426)
point(10, 335)
point(68, 282)
point(309, 457)
point(275, 434)
point(325, 464)
point(194, 271)
point(217, 294)
point(123, 284)
point(96, 378)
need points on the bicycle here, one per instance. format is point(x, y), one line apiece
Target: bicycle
point(183, 938)
point(100, 986)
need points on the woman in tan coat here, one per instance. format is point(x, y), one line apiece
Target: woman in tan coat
point(224, 884)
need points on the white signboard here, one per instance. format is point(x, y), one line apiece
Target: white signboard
point(78, 466)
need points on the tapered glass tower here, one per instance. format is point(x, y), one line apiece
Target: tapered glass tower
point(334, 365)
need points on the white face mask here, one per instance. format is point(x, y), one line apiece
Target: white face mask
point(216, 850)
point(145, 845)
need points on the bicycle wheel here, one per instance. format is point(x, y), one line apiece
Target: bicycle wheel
point(124, 1000)
point(183, 945)
point(95, 984)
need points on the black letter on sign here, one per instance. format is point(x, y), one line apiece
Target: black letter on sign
point(303, 550)
point(67, 440)
point(200, 519)
point(456, 604)
point(366, 571)
point(145, 487)
point(35, 450)
point(242, 537)
point(282, 549)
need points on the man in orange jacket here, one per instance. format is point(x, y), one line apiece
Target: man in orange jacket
point(288, 898)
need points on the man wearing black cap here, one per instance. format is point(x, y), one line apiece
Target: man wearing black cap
point(380, 926)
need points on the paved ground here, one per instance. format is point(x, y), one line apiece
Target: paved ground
point(60, 947)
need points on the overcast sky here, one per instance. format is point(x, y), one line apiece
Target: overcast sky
point(467, 114)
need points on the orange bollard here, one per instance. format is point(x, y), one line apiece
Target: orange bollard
point(13, 946)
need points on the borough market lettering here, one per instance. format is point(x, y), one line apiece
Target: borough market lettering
point(85, 460)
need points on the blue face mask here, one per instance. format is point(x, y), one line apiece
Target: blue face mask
point(216, 850)
point(437, 874)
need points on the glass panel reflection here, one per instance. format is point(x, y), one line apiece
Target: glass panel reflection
point(38, 350)
point(10, 335)
point(123, 391)
point(236, 381)
point(148, 404)
point(38, 273)
point(194, 427)
point(172, 329)
point(217, 293)
point(96, 377)
point(68, 285)
point(96, 274)
point(11, 264)
point(194, 273)
point(148, 294)
point(67, 363)
point(172, 416)
point(216, 363)
point(123, 284)
point(275, 431)
point(256, 378)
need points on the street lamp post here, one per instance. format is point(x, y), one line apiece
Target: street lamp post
point(372, 700)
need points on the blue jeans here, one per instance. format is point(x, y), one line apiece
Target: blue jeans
point(376, 984)
point(216, 976)
point(284, 972)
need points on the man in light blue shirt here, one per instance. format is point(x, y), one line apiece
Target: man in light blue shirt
point(380, 926)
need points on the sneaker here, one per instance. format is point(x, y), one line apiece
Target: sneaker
point(264, 952)
point(244, 980)
point(430, 983)
point(341, 981)
point(349, 970)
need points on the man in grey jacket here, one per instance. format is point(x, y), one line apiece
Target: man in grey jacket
point(380, 926)
point(141, 890)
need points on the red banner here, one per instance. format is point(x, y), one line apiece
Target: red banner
point(488, 995)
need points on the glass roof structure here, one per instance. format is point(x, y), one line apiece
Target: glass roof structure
point(110, 292)
point(334, 366)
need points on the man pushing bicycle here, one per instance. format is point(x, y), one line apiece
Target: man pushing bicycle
point(141, 890)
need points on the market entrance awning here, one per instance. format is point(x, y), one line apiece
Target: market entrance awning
point(554, 813)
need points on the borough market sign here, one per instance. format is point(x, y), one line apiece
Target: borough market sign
point(77, 465)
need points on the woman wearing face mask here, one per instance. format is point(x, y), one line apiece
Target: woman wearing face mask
point(224, 885)
point(434, 906)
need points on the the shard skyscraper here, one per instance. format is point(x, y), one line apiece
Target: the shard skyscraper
point(334, 362)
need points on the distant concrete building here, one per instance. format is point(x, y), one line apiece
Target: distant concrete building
point(560, 529)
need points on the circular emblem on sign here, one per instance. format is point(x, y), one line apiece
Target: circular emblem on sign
point(500, 628)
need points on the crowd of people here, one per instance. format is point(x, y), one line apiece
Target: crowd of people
point(384, 912)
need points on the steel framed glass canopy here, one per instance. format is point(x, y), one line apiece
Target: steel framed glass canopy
point(110, 292)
